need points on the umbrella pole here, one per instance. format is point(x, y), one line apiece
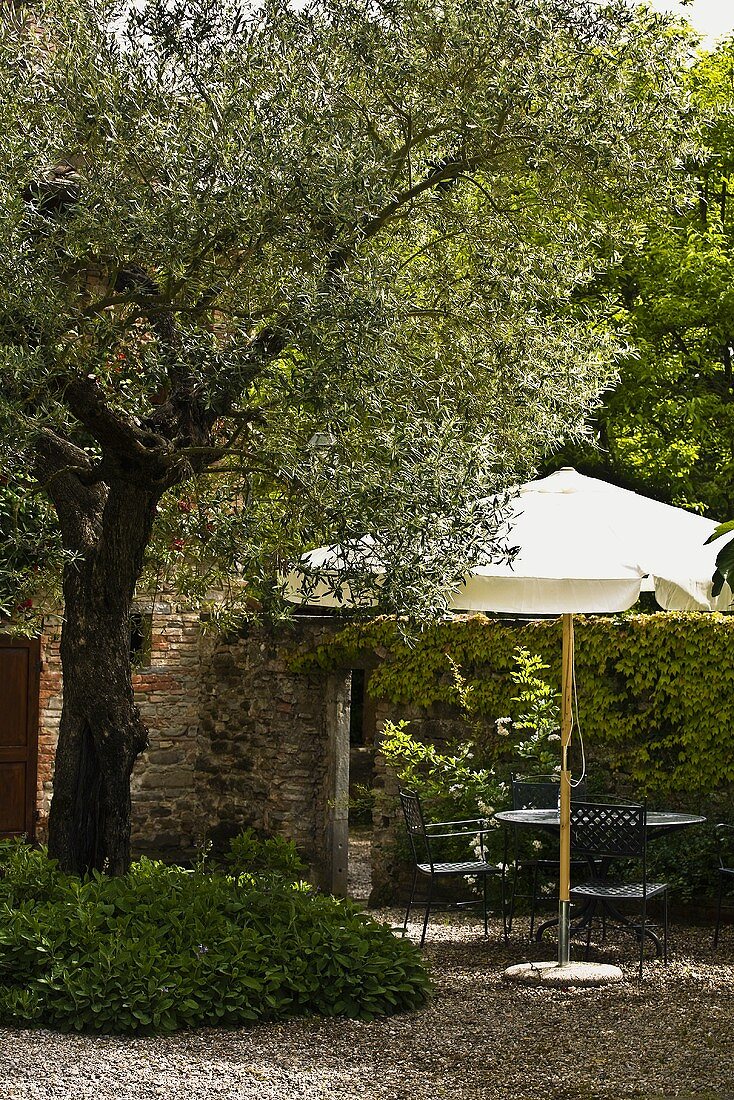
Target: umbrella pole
point(564, 889)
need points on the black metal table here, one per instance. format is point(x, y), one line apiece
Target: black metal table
point(658, 822)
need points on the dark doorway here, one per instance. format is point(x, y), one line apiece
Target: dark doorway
point(361, 784)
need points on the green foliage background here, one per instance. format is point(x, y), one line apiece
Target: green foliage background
point(655, 692)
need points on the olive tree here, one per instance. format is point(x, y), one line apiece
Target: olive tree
point(276, 276)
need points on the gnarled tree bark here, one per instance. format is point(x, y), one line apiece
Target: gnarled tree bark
point(101, 732)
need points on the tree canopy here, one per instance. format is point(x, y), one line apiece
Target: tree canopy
point(227, 232)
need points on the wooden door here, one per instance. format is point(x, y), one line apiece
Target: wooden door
point(19, 675)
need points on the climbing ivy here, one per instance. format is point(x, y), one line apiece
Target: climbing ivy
point(655, 692)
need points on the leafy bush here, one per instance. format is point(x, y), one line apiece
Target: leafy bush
point(450, 785)
point(274, 855)
point(687, 861)
point(163, 948)
point(361, 804)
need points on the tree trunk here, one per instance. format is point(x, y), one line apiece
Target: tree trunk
point(101, 732)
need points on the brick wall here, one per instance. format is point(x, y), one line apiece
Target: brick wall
point(49, 715)
point(167, 816)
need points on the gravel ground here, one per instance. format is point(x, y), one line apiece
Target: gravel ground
point(480, 1038)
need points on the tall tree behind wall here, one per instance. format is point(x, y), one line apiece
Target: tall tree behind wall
point(667, 428)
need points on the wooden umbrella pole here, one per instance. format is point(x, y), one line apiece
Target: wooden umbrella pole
point(564, 891)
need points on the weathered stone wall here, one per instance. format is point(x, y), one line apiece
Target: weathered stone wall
point(263, 740)
point(236, 739)
point(167, 814)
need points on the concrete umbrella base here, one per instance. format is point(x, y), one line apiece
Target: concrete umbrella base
point(575, 973)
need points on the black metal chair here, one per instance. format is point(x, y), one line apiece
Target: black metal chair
point(603, 833)
point(725, 844)
point(534, 792)
point(423, 837)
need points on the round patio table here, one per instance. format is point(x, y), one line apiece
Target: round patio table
point(658, 823)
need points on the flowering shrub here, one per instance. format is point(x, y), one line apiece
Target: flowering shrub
point(451, 786)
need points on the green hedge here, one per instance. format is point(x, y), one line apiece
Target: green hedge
point(162, 948)
point(655, 692)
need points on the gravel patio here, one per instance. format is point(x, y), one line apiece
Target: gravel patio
point(479, 1038)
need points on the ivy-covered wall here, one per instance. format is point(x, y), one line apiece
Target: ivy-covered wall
point(655, 692)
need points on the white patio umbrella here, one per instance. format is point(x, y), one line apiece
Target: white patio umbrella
point(584, 546)
point(587, 546)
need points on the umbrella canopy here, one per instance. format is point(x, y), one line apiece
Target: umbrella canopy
point(584, 546)
point(587, 546)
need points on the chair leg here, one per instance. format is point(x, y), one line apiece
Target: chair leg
point(534, 889)
point(503, 901)
point(484, 899)
point(718, 910)
point(513, 889)
point(665, 927)
point(503, 887)
point(642, 936)
point(428, 910)
point(410, 900)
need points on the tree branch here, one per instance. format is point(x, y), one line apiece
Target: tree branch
point(371, 225)
point(66, 473)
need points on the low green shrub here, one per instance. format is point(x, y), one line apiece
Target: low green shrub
point(162, 948)
point(273, 855)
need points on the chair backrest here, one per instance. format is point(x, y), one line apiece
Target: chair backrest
point(611, 830)
point(416, 825)
point(725, 845)
point(540, 792)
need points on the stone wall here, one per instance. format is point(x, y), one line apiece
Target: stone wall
point(236, 739)
point(167, 815)
point(263, 751)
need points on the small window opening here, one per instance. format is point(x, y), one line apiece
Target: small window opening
point(141, 633)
